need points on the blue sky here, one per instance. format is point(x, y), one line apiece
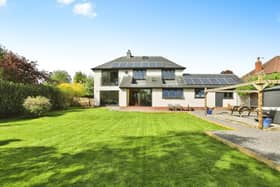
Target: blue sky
point(205, 36)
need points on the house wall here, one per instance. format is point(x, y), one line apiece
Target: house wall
point(123, 97)
point(244, 100)
point(157, 72)
point(232, 102)
point(179, 72)
point(157, 100)
point(188, 100)
point(98, 87)
point(153, 72)
point(123, 73)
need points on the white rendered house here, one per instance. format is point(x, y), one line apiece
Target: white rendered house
point(156, 81)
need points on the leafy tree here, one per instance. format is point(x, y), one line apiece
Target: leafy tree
point(59, 77)
point(86, 81)
point(227, 72)
point(18, 69)
point(89, 85)
point(2, 51)
point(272, 76)
point(70, 91)
point(80, 77)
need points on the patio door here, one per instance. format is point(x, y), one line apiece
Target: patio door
point(140, 97)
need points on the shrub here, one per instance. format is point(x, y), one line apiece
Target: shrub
point(272, 76)
point(12, 96)
point(37, 106)
point(70, 91)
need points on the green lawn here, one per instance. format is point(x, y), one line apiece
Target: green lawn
point(97, 147)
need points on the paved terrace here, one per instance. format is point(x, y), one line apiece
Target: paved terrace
point(263, 142)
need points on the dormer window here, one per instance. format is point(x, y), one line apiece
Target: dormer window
point(139, 74)
point(168, 74)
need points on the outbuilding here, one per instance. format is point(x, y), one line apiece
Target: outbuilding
point(272, 102)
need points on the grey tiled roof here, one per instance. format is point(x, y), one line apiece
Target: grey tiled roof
point(185, 81)
point(152, 82)
point(210, 80)
point(139, 62)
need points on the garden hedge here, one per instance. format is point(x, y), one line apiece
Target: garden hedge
point(12, 96)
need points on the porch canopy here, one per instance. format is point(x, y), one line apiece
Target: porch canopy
point(259, 85)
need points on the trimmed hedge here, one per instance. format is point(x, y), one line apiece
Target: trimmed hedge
point(12, 96)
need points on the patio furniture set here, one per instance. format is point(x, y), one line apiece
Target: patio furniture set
point(178, 107)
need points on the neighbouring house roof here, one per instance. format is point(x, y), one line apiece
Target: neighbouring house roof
point(271, 66)
point(210, 80)
point(139, 62)
point(185, 81)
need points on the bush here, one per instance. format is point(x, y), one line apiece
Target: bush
point(272, 76)
point(70, 91)
point(12, 96)
point(37, 106)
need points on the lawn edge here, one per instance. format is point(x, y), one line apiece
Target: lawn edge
point(246, 151)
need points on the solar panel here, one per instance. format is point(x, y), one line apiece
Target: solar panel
point(151, 64)
point(188, 81)
point(231, 81)
point(220, 81)
point(196, 81)
point(116, 65)
point(205, 81)
point(159, 64)
point(121, 64)
point(223, 81)
point(213, 81)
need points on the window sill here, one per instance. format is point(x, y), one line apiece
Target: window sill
point(109, 84)
point(172, 98)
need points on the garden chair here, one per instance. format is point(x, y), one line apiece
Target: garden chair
point(179, 107)
point(171, 107)
point(241, 110)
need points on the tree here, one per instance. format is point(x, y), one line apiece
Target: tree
point(2, 51)
point(80, 77)
point(86, 81)
point(89, 85)
point(70, 91)
point(59, 77)
point(227, 72)
point(18, 69)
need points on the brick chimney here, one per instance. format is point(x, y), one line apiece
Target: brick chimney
point(258, 65)
point(128, 54)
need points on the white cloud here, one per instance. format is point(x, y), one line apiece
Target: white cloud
point(64, 2)
point(3, 2)
point(84, 9)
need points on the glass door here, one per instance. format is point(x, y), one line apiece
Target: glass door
point(140, 97)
